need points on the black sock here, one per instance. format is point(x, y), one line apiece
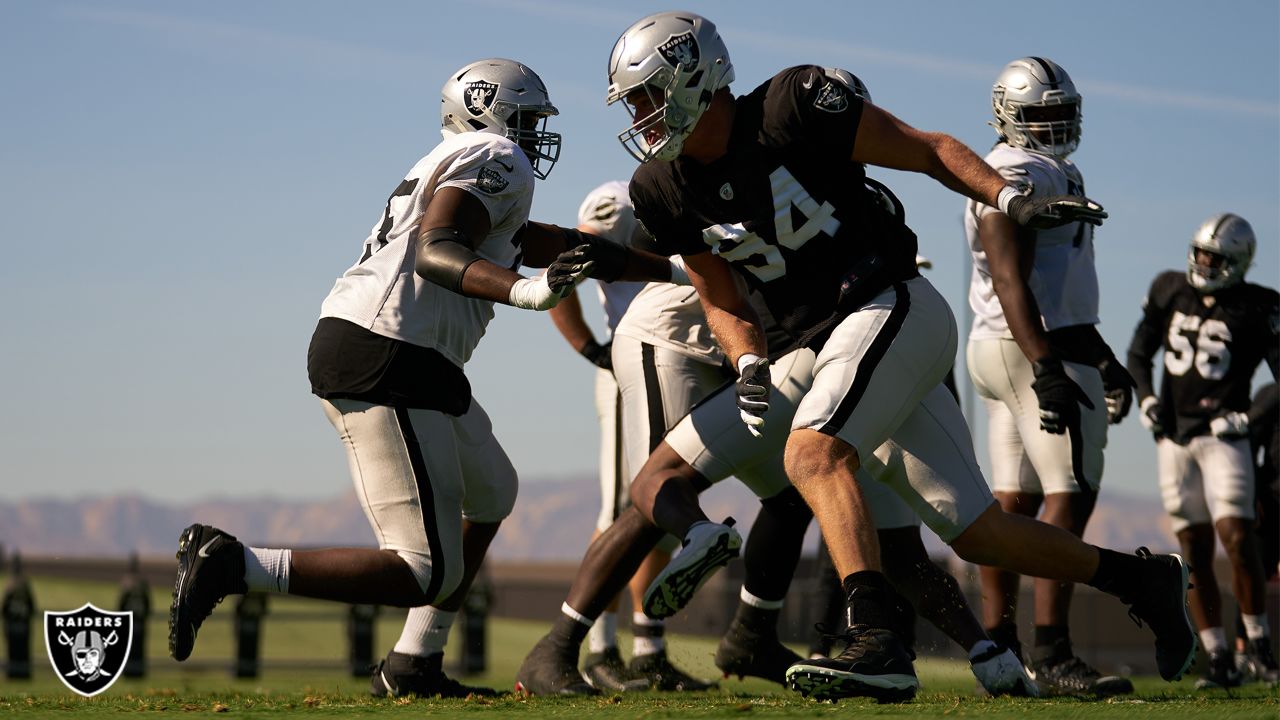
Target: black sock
point(760, 620)
point(1006, 636)
point(1050, 634)
point(1118, 574)
point(870, 599)
point(569, 631)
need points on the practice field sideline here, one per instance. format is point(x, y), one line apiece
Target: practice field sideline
point(207, 688)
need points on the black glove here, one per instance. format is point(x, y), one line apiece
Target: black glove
point(599, 355)
point(1150, 417)
point(1042, 213)
point(568, 269)
point(1058, 396)
point(753, 391)
point(1119, 386)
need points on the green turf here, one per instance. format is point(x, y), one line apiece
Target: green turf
point(184, 688)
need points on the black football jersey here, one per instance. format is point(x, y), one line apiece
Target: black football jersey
point(788, 180)
point(1212, 344)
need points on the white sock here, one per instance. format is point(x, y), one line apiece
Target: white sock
point(1213, 640)
point(979, 648)
point(604, 633)
point(267, 569)
point(575, 615)
point(647, 644)
point(425, 631)
point(1255, 626)
point(757, 602)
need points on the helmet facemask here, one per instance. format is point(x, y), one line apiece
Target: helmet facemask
point(1220, 254)
point(666, 68)
point(1036, 106)
point(507, 98)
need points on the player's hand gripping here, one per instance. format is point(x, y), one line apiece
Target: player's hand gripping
point(545, 291)
point(599, 355)
point(1119, 386)
point(1230, 426)
point(753, 391)
point(1060, 398)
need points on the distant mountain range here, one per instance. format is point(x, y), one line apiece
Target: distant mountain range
point(553, 520)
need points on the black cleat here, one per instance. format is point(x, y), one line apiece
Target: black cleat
point(1222, 673)
point(1258, 663)
point(399, 675)
point(552, 669)
point(874, 664)
point(1069, 675)
point(662, 675)
point(707, 548)
point(606, 671)
point(744, 652)
point(1161, 602)
point(210, 567)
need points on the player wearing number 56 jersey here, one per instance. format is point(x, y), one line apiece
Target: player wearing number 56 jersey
point(1214, 329)
point(836, 268)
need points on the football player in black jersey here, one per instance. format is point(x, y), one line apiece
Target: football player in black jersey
point(836, 268)
point(1214, 329)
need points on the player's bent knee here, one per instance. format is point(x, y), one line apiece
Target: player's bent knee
point(436, 581)
point(811, 454)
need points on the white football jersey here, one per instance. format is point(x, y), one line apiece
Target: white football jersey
point(382, 293)
point(671, 316)
point(607, 212)
point(1063, 278)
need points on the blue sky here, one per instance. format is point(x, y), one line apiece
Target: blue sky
point(182, 182)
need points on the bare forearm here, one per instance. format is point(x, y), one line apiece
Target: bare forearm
point(738, 330)
point(487, 281)
point(960, 169)
point(1022, 314)
point(568, 319)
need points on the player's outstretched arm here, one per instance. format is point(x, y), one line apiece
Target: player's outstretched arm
point(453, 224)
point(886, 141)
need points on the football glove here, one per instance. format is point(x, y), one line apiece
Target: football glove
point(599, 355)
point(1042, 213)
point(538, 293)
point(1118, 385)
point(1150, 417)
point(1058, 396)
point(752, 388)
point(1230, 426)
point(568, 269)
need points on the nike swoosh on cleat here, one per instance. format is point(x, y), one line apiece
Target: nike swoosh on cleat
point(204, 549)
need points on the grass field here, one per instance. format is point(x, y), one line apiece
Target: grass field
point(207, 688)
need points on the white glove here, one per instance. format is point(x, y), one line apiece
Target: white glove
point(1230, 426)
point(536, 294)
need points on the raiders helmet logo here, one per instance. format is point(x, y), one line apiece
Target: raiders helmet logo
point(832, 97)
point(480, 96)
point(88, 646)
point(490, 181)
point(680, 49)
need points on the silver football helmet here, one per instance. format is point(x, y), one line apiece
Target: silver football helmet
point(1037, 107)
point(853, 82)
point(1227, 242)
point(506, 98)
point(665, 68)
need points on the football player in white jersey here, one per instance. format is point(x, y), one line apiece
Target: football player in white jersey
point(606, 211)
point(386, 360)
point(837, 271)
point(1211, 329)
point(1048, 380)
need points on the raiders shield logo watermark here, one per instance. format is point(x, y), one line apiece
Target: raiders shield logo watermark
point(88, 647)
point(832, 97)
point(680, 49)
point(490, 181)
point(480, 96)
